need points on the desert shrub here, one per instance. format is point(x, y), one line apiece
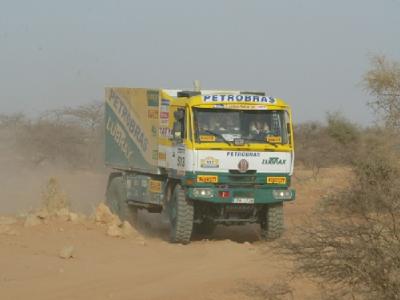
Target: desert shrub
point(342, 130)
point(321, 145)
point(352, 244)
point(308, 140)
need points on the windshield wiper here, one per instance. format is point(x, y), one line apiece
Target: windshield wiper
point(218, 135)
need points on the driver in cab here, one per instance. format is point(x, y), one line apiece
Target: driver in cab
point(259, 128)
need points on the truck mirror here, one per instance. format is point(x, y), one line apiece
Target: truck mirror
point(179, 114)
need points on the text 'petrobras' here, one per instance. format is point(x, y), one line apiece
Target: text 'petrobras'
point(239, 98)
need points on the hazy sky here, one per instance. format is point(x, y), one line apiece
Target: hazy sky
point(311, 53)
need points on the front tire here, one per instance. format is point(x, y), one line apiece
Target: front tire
point(181, 216)
point(272, 222)
point(117, 202)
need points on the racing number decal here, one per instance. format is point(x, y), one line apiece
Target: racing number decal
point(181, 162)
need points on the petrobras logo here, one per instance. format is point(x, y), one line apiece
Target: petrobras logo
point(242, 154)
point(239, 98)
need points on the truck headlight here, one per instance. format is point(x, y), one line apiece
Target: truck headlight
point(282, 194)
point(203, 192)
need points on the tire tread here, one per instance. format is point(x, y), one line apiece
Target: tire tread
point(272, 226)
point(184, 218)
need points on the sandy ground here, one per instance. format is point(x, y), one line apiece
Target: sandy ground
point(144, 266)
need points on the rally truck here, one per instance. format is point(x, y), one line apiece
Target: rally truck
point(202, 158)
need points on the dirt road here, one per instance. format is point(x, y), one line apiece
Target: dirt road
point(145, 266)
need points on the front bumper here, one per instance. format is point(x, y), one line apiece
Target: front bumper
point(240, 195)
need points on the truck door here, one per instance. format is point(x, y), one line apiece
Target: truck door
point(178, 145)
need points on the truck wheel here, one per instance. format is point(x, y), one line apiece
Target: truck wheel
point(181, 216)
point(204, 228)
point(272, 223)
point(116, 200)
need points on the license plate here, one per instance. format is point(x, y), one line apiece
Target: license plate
point(242, 200)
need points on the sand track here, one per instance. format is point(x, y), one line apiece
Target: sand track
point(105, 267)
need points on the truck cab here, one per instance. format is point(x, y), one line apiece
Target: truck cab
point(222, 157)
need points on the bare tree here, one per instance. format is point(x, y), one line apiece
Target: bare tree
point(90, 119)
point(383, 82)
point(89, 116)
point(72, 136)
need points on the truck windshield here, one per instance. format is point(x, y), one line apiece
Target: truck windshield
point(253, 126)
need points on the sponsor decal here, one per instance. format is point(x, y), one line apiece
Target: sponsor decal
point(152, 98)
point(207, 138)
point(274, 161)
point(244, 106)
point(152, 114)
point(165, 132)
point(242, 154)
point(276, 180)
point(243, 165)
point(162, 156)
point(164, 102)
point(207, 178)
point(239, 98)
point(274, 139)
point(119, 136)
point(155, 186)
point(164, 116)
point(209, 162)
point(128, 121)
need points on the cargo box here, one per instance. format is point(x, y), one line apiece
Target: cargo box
point(131, 129)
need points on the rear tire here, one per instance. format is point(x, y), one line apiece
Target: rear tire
point(117, 202)
point(181, 216)
point(272, 222)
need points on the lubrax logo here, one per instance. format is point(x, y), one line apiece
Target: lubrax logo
point(274, 161)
